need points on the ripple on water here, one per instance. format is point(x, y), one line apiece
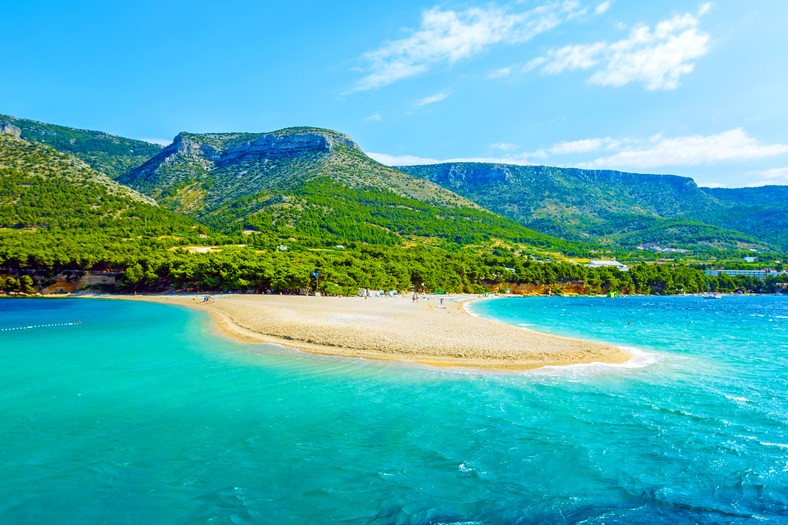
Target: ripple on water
point(169, 424)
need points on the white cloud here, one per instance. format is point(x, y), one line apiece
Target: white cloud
point(656, 57)
point(401, 160)
point(601, 8)
point(777, 173)
point(523, 159)
point(446, 37)
point(705, 8)
point(431, 100)
point(630, 153)
point(161, 142)
point(500, 73)
point(772, 176)
point(692, 150)
point(570, 57)
point(583, 146)
point(374, 117)
point(410, 160)
point(503, 146)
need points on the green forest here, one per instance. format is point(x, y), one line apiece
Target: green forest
point(334, 213)
point(163, 265)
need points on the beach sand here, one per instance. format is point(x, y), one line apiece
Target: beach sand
point(392, 328)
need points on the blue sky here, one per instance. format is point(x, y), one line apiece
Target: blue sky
point(687, 88)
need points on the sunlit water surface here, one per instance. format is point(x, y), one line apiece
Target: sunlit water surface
point(121, 412)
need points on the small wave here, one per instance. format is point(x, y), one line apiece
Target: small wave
point(464, 468)
point(639, 359)
point(778, 445)
point(468, 310)
point(737, 398)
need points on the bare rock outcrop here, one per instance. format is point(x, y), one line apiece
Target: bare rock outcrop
point(6, 128)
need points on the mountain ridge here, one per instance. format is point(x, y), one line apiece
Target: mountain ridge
point(109, 154)
point(605, 206)
point(19, 155)
point(215, 155)
point(241, 180)
point(310, 182)
point(43, 190)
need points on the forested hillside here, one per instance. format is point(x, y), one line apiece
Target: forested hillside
point(55, 211)
point(316, 184)
point(761, 211)
point(250, 180)
point(109, 154)
point(620, 209)
point(264, 212)
point(43, 188)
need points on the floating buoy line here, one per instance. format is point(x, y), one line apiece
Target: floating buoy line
point(34, 326)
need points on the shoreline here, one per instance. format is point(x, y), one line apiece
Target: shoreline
point(429, 332)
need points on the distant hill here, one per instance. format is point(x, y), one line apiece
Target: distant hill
point(625, 209)
point(316, 183)
point(114, 156)
point(43, 190)
point(198, 173)
point(761, 211)
point(265, 211)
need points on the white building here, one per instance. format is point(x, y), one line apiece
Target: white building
point(760, 274)
point(608, 264)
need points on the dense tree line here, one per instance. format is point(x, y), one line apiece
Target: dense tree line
point(59, 217)
point(106, 153)
point(329, 213)
point(163, 265)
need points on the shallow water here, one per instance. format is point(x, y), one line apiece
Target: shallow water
point(138, 414)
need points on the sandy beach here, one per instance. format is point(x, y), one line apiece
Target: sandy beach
point(392, 328)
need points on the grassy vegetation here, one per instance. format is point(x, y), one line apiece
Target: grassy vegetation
point(327, 193)
point(43, 188)
point(114, 156)
point(270, 221)
point(622, 209)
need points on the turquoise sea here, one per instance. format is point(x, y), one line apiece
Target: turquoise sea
point(120, 412)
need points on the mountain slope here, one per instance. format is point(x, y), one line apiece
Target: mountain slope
point(42, 188)
point(199, 172)
point(761, 211)
point(627, 209)
point(108, 154)
point(310, 182)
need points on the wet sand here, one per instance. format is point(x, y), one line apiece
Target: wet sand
point(392, 328)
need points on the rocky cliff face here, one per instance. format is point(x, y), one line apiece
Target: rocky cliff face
point(6, 128)
point(229, 163)
point(599, 205)
point(202, 174)
point(287, 145)
point(527, 191)
point(225, 148)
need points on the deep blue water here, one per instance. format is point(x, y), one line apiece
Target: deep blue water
point(138, 414)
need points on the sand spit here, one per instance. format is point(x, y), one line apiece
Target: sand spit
point(392, 328)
